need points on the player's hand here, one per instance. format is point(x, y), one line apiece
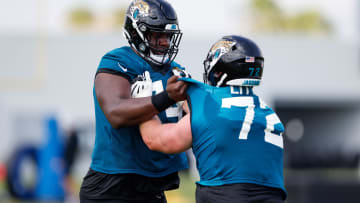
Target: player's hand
point(181, 73)
point(142, 87)
point(176, 89)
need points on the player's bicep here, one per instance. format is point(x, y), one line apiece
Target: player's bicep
point(110, 90)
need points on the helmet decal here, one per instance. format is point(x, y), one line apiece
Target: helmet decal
point(217, 53)
point(221, 47)
point(139, 8)
point(218, 49)
point(249, 59)
point(171, 27)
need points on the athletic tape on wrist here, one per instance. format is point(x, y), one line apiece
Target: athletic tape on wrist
point(162, 101)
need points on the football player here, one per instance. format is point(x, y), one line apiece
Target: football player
point(235, 137)
point(123, 169)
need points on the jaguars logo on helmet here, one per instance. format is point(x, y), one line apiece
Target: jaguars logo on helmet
point(139, 8)
point(218, 49)
point(234, 60)
point(146, 17)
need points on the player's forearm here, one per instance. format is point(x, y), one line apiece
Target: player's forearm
point(130, 112)
point(151, 132)
point(168, 138)
point(156, 135)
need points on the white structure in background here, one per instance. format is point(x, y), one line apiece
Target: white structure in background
point(52, 72)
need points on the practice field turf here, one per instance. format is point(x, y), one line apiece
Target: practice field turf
point(185, 194)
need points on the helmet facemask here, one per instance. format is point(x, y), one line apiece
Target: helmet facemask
point(161, 46)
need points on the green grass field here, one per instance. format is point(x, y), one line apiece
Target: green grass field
point(185, 194)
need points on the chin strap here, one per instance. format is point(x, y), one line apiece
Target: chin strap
point(162, 59)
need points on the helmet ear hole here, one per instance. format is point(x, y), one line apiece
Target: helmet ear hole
point(142, 47)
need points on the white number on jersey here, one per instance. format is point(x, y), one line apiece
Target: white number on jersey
point(271, 120)
point(172, 111)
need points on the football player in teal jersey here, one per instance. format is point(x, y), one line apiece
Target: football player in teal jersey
point(235, 137)
point(123, 169)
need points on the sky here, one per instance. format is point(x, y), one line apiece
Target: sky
point(195, 17)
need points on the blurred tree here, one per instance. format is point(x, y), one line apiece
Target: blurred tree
point(119, 17)
point(268, 17)
point(308, 21)
point(81, 17)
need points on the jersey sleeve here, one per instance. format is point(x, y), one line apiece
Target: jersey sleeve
point(194, 84)
point(176, 65)
point(118, 62)
point(195, 88)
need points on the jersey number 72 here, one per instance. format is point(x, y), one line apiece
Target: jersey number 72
point(271, 119)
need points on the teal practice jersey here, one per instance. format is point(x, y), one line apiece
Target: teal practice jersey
point(237, 138)
point(122, 150)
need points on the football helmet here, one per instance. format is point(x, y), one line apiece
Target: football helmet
point(233, 60)
point(149, 19)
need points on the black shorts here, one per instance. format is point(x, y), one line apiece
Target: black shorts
point(239, 193)
point(121, 188)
